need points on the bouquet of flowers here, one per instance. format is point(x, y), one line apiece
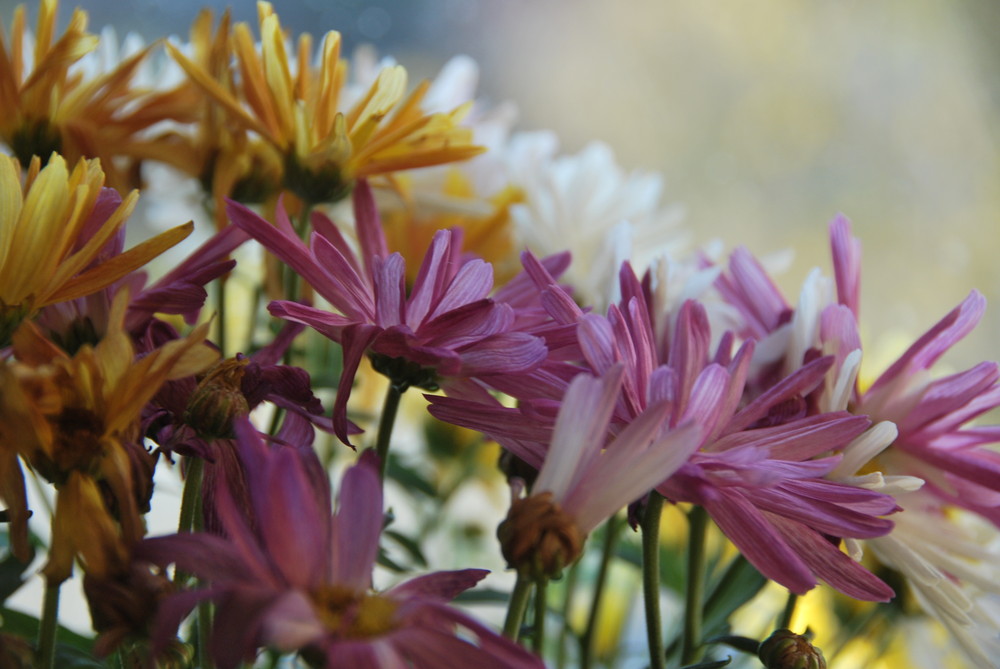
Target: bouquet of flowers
point(642, 423)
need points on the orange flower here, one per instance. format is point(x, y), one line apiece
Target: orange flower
point(323, 148)
point(75, 420)
point(51, 236)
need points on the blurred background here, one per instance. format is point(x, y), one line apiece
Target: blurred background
point(765, 119)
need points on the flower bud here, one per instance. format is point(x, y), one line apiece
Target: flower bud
point(787, 650)
point(218, 399)
point(538, 538)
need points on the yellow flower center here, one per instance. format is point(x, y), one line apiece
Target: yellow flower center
point(355, 615)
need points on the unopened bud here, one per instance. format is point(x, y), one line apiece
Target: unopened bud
point(538, 538)
point(218, 399)
point(787, 650)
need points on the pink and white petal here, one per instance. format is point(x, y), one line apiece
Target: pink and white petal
point(630, 467)
point(758, 540)
point(830, 564)
point(351, 293)
point(327, 229)
point(291, 623)
point(432, 278)
point(580, 431)
point(371, 236)
point(508, 352)
point(846, 262)
point(328, 324)
point(799, 383)
point(473, 282)
point(443, 585)
point(389, 279)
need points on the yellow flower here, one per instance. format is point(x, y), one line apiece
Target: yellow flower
point(75, 420)
point(227, 159)
point(323, 148)
point(485, 224)
point(51, 235)
point(50, 108)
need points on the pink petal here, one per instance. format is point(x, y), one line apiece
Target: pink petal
point(357, 525)
point(846, 263)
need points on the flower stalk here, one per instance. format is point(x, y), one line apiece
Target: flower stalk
point(516, 607)
point(651, 578)
point(691, 638)
point(48, 625)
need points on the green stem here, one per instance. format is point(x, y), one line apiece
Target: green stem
point(785, 622)
point(607, 550)
point(48, 626)
point(516, 607)
point(220, 308)
point(570, 590)
point(389, 409)
point(541, 609)
point(651, 578)
point(191, 495)
point(204, 623)
point(694, 600)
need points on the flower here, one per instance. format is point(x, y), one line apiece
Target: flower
point(55, 108)
point(323, 148)
point(585, 478)
point(75, 420)
point(445, 326)
point(53, 235)
point(291, 576)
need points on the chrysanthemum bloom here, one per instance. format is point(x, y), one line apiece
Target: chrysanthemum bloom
point(922, 430)
point(53, 230)
point(762, 485)
point(324, 148)
point(445, 327)
point(291, 577)
point(51, 107)
point(75, 420)
point(584, 478)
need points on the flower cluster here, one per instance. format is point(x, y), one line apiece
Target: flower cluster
point(547, 312)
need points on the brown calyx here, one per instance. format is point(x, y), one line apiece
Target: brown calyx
point(538, 538)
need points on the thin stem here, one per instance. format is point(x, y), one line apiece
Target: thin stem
point(570, 590)
point(516, 607)
point(607, 550)
point(651, 578)
point(389, 409)
point(191, 494)
point(48, 626)
point(220, 308)
point(695, 596)
point(785, 622)
point(541, 609)
point(204, 623)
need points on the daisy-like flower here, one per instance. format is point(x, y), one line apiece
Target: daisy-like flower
point(49, 106)
point(75, 420)
point(53, 231)
point(324, 148)
point(587, 204)
point(444, 327)
point(290, 576)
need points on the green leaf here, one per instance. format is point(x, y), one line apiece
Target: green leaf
point(11, 574)
point(745, 644)
point(26, 625)
point(483, 596)
point(410, 478)
point(409, 545)
point(738, 585)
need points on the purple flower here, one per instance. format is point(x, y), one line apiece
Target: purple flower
point(291, 576)
point(446, 326)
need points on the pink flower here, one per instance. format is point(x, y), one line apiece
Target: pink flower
point(291, 576)
point(445, 327)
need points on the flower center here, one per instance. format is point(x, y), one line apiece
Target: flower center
point(354, 615)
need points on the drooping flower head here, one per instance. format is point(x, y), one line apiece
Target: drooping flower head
point(291, 576)
point(445, 326)
point(75, 420)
